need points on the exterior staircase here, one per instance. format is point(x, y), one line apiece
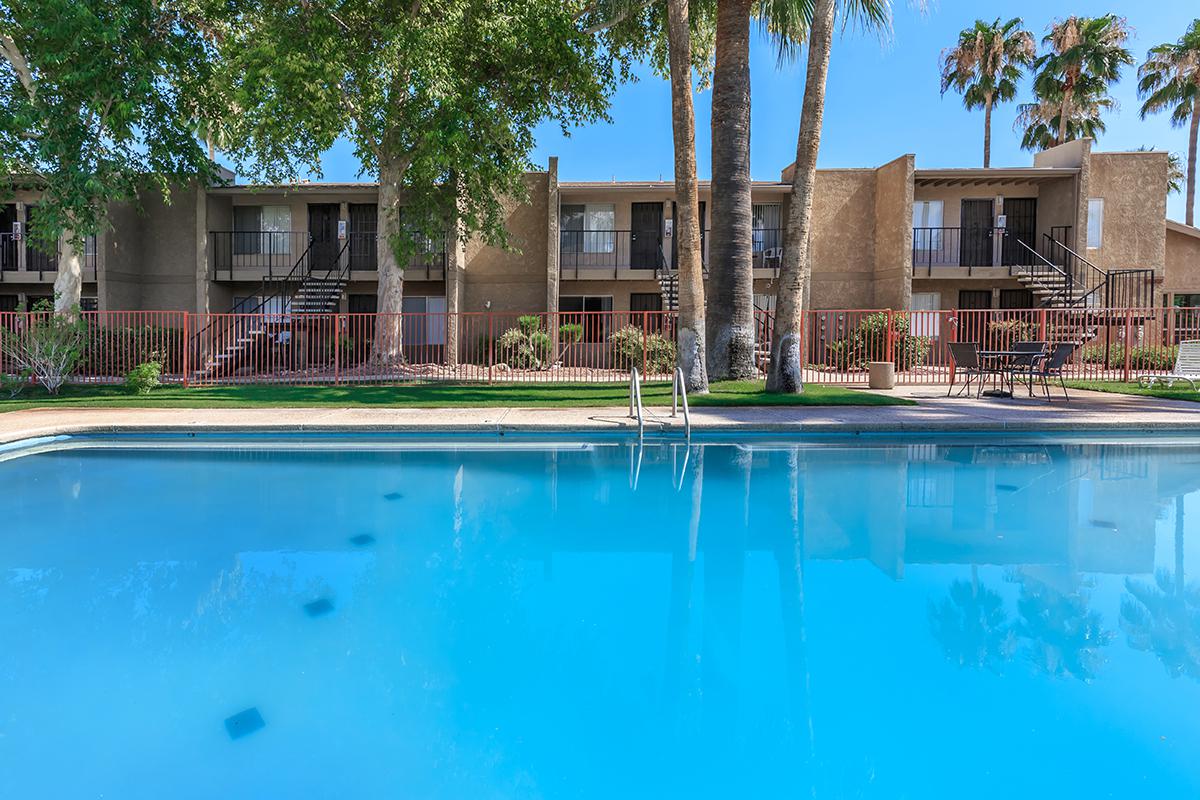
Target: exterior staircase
point(668, 284)
point(254, 329)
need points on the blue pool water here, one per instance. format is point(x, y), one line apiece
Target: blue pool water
point(523, 619)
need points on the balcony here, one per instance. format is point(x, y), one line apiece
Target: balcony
point(965, 252)
point(266, 255)
point(637, 255)
point(26, 261)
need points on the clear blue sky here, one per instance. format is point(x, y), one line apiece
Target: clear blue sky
point(882, 102)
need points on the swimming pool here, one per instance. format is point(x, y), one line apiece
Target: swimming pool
point(405, 617)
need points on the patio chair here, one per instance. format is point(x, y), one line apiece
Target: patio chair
point(1020, 368)
point(1187, 367)
point(1051, 366)
point(965, 356)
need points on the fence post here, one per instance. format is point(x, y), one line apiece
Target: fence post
point(337, 349)
point(1128, 348)
point(187, 347)
point(891, 341)
point(1042, 325)
point(645, 320)
point(491, 346)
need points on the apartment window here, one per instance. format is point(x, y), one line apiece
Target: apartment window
point(927, 225)
point(89, 304)
point(588, 228)
point(427, 323)
point(578, 310)
point(767, 226)
point(924, 319)
point(1095, 230)
point(262, 229)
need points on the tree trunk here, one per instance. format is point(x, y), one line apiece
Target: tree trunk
point(386, 348)
point(731, 267)
point(987, 132)
point(1064, 109)
point(68, 284)
point(787, 362)
point(687, 226)
point(1189, 205)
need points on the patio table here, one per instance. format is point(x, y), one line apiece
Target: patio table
point(1000, 359)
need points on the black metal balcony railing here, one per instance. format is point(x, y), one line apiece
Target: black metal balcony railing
point(37, 259)
point(970, 247)
point(275, 253)
point(593, 253)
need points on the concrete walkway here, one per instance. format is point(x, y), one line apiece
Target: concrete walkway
point(1086, 411)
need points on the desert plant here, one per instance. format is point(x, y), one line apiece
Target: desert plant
point(46, 345)
point(632, 347)
point(144, 378)
point(525, 346)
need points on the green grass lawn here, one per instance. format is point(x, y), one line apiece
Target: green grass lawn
point(436, 395)
point(1181, 391)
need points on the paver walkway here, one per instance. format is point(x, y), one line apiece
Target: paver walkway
point(1085, 411)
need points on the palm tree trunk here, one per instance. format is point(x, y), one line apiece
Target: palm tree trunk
point(687, 226)
point(987, 132)
point(1068, 91)
point(1189, 209)
point(731, 310)
point(787, 363)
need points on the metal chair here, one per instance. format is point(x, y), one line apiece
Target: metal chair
point(1021, 367)
point(965, 356)
point(1051, 366)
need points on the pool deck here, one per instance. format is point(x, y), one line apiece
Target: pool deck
point(1087, 411)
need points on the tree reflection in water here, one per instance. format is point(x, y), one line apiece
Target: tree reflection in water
point(972, 626)
point(1062, 636)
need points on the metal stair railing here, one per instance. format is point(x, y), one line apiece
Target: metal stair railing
point(1046, 267)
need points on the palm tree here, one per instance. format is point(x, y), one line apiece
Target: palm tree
point(1040, 122)
point(1064, 637)
point(1084, 58)
point(1165, 617)
point(985, 66)
point(786, 370)
point(687, 226)
point(972, 625)
point(731, 303)
point(1169, 80)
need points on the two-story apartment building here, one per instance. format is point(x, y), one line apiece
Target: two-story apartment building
point(1075, 227)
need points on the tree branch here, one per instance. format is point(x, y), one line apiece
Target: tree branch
point(13, 55)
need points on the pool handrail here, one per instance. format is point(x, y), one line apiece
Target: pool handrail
point(679, 391)
point(635, 400)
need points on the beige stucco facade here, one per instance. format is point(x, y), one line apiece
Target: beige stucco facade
point(890, 236)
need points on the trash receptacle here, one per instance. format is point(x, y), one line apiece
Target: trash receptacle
point(881, 375)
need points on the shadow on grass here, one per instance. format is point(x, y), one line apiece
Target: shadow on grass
point(436, 395)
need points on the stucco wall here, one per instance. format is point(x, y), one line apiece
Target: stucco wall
point(842, 249)
point(1134, 189)
point(512, 280)
point(893, 233)
point(1182, 263)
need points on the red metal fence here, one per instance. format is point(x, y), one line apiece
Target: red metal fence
point(279, 347)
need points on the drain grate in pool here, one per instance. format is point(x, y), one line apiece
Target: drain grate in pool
point(244, 723)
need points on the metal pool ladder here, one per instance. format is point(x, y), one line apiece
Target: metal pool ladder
point(679, 392)
point(635, 400)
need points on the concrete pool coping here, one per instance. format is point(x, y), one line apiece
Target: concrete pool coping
point(1087, 411)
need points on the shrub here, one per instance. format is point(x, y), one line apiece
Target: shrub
point(868, 342)
point(629, 346)
point(1143, 358)
point(525, 346)
point(1013, 329)
point(143, 378)
point(116, 350)
point(46, 345)
point(12, 385)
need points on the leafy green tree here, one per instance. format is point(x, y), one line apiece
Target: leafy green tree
point(1169, 80)
point(1083, 57)
point(97, 100)
point(985, 66)
point(439, 98)
point(787, 362)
